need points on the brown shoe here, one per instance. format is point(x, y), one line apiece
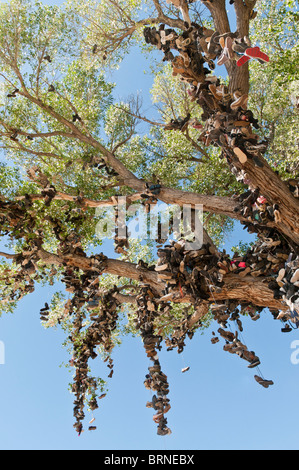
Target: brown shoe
point(240, 154)
point(213, 89)
point(240, 102)
point(263, 382)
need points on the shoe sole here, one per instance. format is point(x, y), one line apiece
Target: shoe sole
point(241, 155)
point(256, 53)
point(242, 60)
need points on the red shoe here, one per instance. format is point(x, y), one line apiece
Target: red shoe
point(256, 53)
point(263, 56)
point(242, 60)
point(252, 52)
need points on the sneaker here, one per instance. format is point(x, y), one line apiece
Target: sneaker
point(254, 363)
point(256, 53)
point(215, 340)
point(281, 275)
point(245, 272)
point(228, 47)
point(223, 58)
point(240, 101)
point(286, 329)
point(255, 317)
point(257, 147)
point(240, 154)
point(239, 46)
point(215, 93)
point(243, 59)
point(257, 161)
point(263, 382)
point(203, 44)
point(295, 277)
point(214, 39)
point(165, 38)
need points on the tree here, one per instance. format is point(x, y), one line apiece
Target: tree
point(76, 153)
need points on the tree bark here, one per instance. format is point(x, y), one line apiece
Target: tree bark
point(276, 191)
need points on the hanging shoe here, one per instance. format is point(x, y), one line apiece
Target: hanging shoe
point(242, 60)
point(165, 38)
point(224, 57)
point(256, 53)
point(215, 340)
point(257, 147)
point(245, 272)
point(210, 62)
point(240, 154)
point(254, 363)
point(286, 329)
point(276, 213)
point(213, 45)
point(240, 102)
point(182, 43)
point(263, 382)
point(257, 161)
point(239, 45)
point(215, 38)
point(281, 275)
point(196, 124)
point(213, 89)
point(228, 47)
point(203, 45)
point(295, 277)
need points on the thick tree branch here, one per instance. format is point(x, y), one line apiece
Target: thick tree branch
point(8, 256)
point(249, 289)
point(246, 289)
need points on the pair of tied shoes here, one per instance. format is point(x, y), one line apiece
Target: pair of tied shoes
point(228, 52)
point(252, 53)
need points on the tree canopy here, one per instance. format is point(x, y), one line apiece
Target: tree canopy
point(82, 173)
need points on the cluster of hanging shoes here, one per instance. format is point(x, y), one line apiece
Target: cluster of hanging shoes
point(187, 273)
point(226, 314)
point(256, 209)
point(103, 315)
point(17, 221)
point(286, 287)
point(121, 238)
point(180, 332)
point(97, 335)
point(227, 122)
point(155, 380)
point(196, 274)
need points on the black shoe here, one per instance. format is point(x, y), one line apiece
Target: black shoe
point(257, 162)
point(254, 363)
point(286, 329)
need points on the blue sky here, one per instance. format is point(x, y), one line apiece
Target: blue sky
point(215, 405)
